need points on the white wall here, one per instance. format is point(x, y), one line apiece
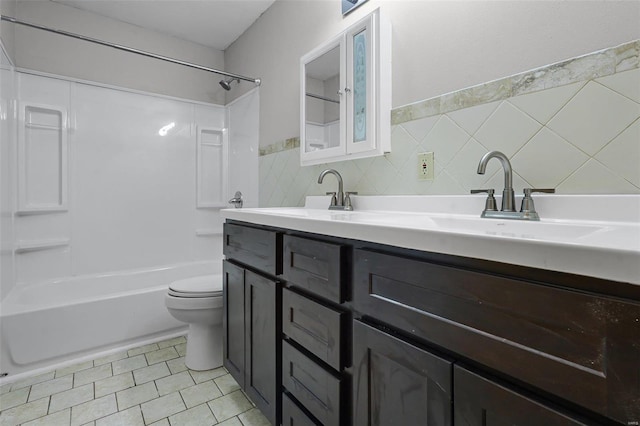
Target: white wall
point(56, 54)
point(438, 46)
point(131, 191)
point(7, 129)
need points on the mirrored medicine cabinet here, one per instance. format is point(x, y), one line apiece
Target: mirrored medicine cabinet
point(346, 94)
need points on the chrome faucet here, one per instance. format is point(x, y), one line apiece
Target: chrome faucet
point(527, 210)
point(339, 200)
point(508, 197)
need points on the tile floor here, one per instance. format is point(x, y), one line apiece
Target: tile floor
point(148, 385)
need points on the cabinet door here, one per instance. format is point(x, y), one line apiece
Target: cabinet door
point(396, 383)
point(262, 342)
point(481, 402)
point(360, 87)
point(233, 320)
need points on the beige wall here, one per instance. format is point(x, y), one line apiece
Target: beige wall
point(7, 7)
point(438, 46)
point(47, 52)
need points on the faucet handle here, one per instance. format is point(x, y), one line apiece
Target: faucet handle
point(334, 199)
point(527, 202)
point(490, 204)
point(347, 200)
point(528, 191)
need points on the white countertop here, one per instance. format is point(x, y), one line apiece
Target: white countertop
point(592, 235)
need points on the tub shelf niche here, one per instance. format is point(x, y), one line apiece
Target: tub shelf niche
point(211, 168)
point(42, 159)
point(29, 246)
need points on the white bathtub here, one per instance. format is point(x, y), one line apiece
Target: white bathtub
point(50, 323)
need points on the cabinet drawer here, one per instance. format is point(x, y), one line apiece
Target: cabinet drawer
point(314, 326)
point(292, 415)
point(482, 402)
point(315, 266)
point(257, 248)
point(316, 388)
point(581, 347)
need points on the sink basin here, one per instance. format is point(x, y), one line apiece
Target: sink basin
point(552, 231)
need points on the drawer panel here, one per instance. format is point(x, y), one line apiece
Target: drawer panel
point(581, 347)
point(318, 390)
point(257, 248)
point(314, 326)
point(315, 266)
point(482, 402)
point(292, 415)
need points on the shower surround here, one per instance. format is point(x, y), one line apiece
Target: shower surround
point(573, 126)
point(111, 195)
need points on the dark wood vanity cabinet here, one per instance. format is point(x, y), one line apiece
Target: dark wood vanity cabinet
point(315, 345)
point(398, 383)
point(563, 344)
point(368, 334)
point(251, 323)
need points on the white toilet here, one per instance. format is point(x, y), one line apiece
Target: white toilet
point(198, 302)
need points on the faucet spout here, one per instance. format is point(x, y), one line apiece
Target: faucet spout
point(340, 194)
point(508, 197)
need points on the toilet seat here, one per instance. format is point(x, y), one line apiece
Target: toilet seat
point(197, 287)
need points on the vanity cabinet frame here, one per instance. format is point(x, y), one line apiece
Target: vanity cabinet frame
point(377, 129)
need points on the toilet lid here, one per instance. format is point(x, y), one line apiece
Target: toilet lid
point(203, 286)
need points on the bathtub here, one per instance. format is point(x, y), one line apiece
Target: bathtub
point(48, 324)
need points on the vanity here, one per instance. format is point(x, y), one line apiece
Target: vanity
point(402, 312)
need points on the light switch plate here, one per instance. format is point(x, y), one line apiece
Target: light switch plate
point(425, 166)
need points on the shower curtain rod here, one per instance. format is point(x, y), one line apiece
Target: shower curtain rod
point(256, 81)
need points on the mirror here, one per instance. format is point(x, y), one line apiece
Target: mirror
point(322, 101)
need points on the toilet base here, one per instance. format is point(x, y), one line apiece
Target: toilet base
point(204, 347)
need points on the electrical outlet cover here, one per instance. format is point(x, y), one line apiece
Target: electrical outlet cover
point(425, 166)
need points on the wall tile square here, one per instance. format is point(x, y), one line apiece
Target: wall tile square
point(594, 177)
point(594, 117)
point(555, 160)
point(625, 83)
point(622, 155)
point(470, 119)
point(507, 130)
point(445, 140)
point(545, 104)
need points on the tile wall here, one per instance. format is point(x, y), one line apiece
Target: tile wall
point(573, 126)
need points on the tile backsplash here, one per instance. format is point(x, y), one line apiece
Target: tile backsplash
point(578, 133)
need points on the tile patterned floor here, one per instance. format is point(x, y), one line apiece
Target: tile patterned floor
point(148, 385)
